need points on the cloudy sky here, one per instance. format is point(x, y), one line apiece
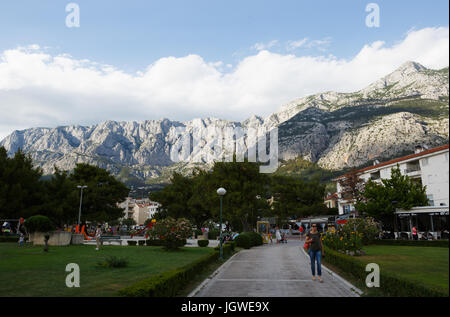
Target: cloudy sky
point(139, 60)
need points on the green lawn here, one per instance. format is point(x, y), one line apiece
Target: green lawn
point(426, 265)
point(29, 271)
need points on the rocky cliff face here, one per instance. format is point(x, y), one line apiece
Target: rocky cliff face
point(336, 130)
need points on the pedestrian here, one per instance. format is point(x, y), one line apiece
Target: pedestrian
point(21, 239)
point(278, 234)
point(414, 233)
point(98, 235)
point(301, 231)
point(315, 251)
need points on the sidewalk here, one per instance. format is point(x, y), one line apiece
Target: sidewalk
point(277, 270)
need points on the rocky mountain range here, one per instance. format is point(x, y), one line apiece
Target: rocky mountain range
point(335, 130)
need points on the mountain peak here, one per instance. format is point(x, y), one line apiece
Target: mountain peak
point(411, 66)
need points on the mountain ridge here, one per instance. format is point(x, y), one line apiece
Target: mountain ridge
point(331, 129)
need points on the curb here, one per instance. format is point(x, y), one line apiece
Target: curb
point(352, 287)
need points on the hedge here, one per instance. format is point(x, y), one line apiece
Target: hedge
point(141, 242)
point(202, 243)
point(160, 243)
point(130, 242)
point(247, 240)
point(9, 238)
point(413, 243)
point(390, 284)
point(168, 284)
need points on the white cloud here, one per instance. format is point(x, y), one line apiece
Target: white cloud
point(264, 46)
point(38, 89)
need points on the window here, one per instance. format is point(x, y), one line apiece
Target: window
point(431, 201)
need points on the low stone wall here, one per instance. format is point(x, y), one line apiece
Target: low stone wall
point(77, 238)
point(57, 238)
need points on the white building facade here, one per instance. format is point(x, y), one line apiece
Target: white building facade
point(139, 209)
point(430, 167)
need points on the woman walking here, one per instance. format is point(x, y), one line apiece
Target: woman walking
point(315, 251)
point(98, 236)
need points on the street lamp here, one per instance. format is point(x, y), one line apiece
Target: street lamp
point(81, 200)
point(221, 192)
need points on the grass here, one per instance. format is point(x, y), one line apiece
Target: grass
point(29, 271)
point(425, 265)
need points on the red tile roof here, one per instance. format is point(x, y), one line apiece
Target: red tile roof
point(333, 196)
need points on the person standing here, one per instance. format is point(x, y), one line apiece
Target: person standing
point(98, 235)
point(315, 251)
point(278, 234)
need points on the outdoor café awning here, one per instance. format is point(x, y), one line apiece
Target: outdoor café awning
point(428, 210)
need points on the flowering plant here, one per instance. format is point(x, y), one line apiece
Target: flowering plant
point(172, 232)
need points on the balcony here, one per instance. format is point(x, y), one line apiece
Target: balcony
point(413, 171)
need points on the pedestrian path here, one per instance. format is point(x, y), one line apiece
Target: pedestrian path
point(273, 270)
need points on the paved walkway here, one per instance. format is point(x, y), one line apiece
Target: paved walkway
point(277, 270)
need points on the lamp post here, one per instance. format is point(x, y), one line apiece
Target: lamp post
point(221, 192)
point(81, 200)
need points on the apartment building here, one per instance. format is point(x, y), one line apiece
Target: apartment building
point(139, 209)
point(430, 167)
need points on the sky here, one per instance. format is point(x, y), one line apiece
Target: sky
point(184, 59)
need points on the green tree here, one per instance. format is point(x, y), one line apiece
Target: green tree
point(295, 198)
point(377, 199)
point(21, 191)
point(102, 195)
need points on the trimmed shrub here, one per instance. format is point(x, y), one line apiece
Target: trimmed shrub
point(243, 241)
point(113, 261)
point(390, 284)
point(255, 238)
point(131, 242)
point(39, 223)
point(412, 243)
point(232, 244)
point(168, 284)
point(202, 243)
point(141, 242)
point(9, 238)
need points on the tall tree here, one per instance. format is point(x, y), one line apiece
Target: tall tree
point(102, 195)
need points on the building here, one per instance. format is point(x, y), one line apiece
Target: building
point(331, 200)
point(430, 167)
point(139, 209)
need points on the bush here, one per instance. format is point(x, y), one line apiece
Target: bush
point(9, 238)
point(342, 241)
point(202, 243)
point(39, 224)
point(243, 241)
point(154, 243)
point(131, 242)
point(173, 232)
point(249, 239)
point(390, 284)
point(198, 232)
point(113, 261)
point(168, 284)
point(255, 238)
point(232, 244)
point(213, 234)
point(141, 242)
point(367, 226)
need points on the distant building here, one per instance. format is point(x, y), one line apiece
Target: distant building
point(139, 209)
point(331, 200)
point(429, 167)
